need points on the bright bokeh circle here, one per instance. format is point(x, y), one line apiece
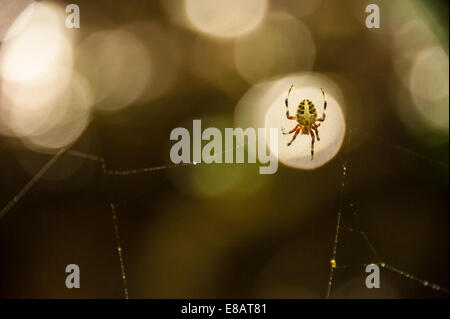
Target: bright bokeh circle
point(225, 18)
point(263, 106)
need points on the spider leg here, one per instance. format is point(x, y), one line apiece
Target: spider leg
point(317, 132)
point(287, 107)
point(291, 131)
point(293, 138)
point(324, 107)
point(312, 144)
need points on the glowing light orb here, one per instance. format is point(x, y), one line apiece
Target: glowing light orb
point(118, 66)
point(225, 18)
point(281, 44)
point(36, 42)
point(429, 84)
point(43, 102)
point(263, 106)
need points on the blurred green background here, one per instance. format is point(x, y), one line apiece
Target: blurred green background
point(136, 69)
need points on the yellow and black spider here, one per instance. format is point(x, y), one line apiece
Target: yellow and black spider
point(306, 117)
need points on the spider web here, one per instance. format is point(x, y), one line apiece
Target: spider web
point(345, 206)
point(341, 227)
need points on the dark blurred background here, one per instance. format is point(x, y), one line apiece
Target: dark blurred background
point(134, 70)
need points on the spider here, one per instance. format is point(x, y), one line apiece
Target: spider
point(306, 118)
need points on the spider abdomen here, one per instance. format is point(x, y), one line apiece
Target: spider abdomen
point(306, 113)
